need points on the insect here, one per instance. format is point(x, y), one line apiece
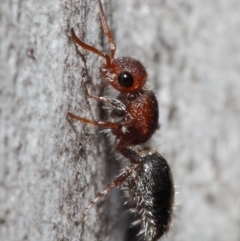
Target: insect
point(148, 179)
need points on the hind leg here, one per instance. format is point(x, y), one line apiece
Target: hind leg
point(118, 181)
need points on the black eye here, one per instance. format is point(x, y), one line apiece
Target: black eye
point(125, 79)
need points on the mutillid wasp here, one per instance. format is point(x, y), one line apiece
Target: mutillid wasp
point(148, 178)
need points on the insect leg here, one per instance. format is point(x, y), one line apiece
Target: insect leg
point(117, 105)
point(107, 31)
point(104, 124)
point(89, 47)
point(129, 153)
point(118, 181)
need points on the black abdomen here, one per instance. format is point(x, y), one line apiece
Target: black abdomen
point(152, 191)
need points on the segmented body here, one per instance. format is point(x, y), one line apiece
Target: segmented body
point(135, 112)
point(140, 118)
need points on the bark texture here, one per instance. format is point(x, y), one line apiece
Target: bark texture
point(50, 167)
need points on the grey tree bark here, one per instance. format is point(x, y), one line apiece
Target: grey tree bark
point(50, 167)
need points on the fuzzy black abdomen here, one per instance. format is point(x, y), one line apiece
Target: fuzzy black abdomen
point(152, 190)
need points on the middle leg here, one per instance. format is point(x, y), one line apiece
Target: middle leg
point(105, 124)
point(115, 104)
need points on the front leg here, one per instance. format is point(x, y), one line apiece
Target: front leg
point(118, 110)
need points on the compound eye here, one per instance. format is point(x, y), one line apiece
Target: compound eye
point(125, 79)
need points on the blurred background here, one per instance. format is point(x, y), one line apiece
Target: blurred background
point(192, 53)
